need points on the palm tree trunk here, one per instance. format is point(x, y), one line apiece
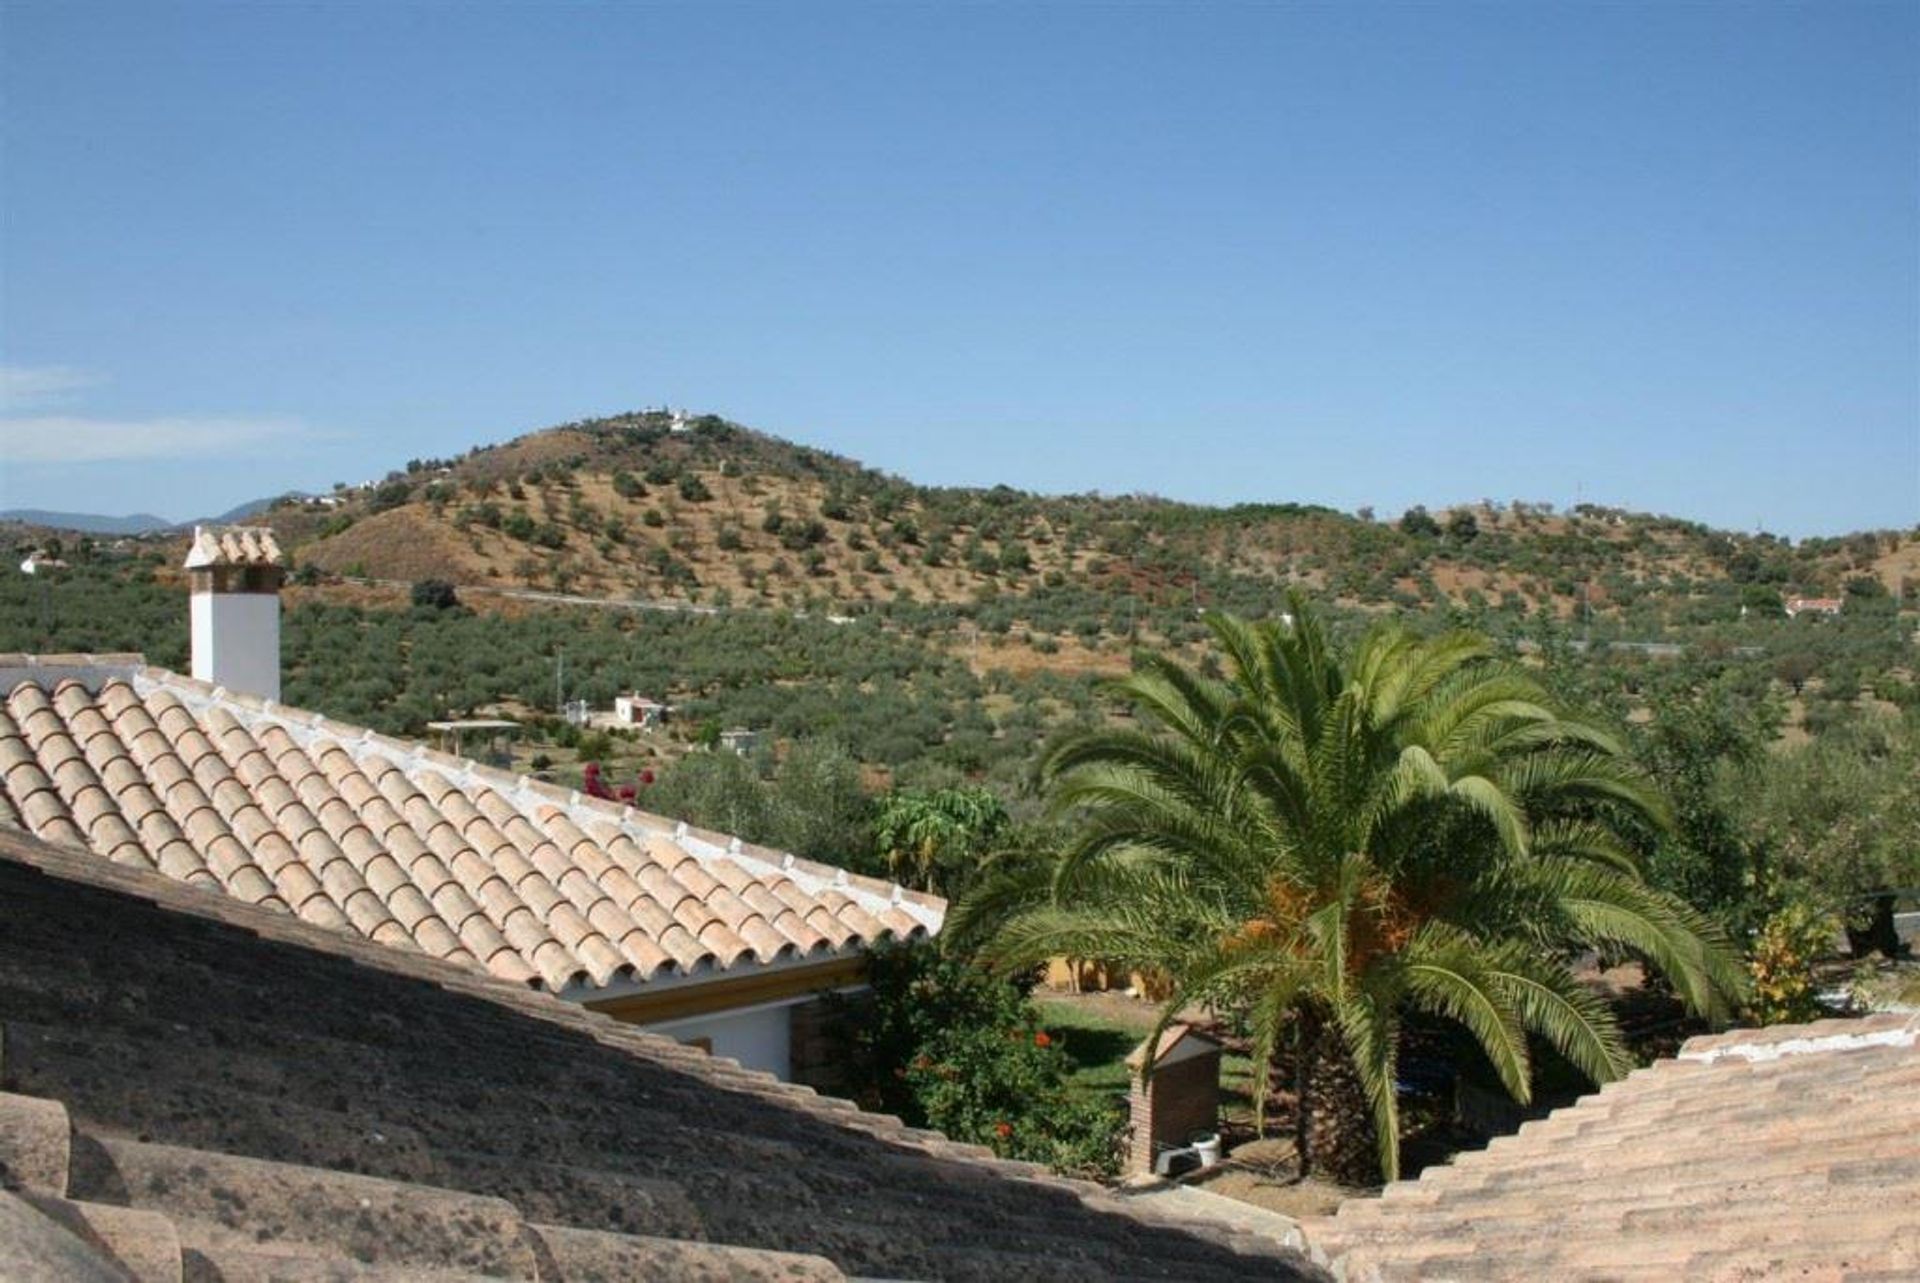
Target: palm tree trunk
point(1335, 1134)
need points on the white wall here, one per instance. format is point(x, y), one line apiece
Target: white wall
point(759, 1038)
point(236, 641)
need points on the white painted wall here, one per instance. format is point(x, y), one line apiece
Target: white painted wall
point(759, 1038)
point(236, 641)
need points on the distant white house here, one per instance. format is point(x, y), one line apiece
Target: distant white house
point(740, 740)
point(639, 712)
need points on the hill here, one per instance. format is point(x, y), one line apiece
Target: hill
point(90, 523)
point(706, 511)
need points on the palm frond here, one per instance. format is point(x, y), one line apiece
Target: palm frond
point(1691, 951)
point(1450, 974)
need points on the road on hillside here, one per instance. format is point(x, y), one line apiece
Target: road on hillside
point(550, 598)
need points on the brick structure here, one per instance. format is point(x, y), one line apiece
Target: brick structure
point(1182, 1099)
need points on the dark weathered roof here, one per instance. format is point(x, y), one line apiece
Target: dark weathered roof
point(196, 1079)
point(1789, 1152)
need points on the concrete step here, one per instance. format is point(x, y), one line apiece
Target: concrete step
point(312, 1211)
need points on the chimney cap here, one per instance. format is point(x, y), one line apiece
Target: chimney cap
point(232, 546)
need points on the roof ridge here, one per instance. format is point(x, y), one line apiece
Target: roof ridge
point(1756, 1046)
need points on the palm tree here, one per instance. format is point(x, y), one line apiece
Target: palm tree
point(1331, 842)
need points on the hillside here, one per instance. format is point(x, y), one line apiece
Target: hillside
point(664, 510)
point(938, 634)
point(715, 513)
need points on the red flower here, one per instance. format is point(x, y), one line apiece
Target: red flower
point(1042, 1040)
point(1003, 1130)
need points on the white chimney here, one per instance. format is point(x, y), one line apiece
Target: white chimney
point(236, 572)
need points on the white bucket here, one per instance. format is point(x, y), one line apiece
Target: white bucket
point(1208, 1148)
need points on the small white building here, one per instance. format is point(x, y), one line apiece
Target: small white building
point(740, 740)
point(640, 712)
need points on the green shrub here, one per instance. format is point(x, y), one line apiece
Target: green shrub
point(945, 1044)
point(435, 594)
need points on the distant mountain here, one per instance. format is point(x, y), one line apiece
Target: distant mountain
point(92, 523)
point(252, 508)
point(140, 523)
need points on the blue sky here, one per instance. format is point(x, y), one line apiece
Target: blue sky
point(1660, 256)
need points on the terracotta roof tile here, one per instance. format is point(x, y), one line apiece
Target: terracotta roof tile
point(370, 835)
point(233, 546)
point(1752, 1154)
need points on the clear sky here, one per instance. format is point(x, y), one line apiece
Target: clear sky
point(1664, 256)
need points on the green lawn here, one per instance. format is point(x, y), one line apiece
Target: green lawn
point(1098, 1044)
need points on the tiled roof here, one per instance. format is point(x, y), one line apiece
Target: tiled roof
point(206, 1087)
point(232, 546)
point(412, 848)
point(1790, 1152)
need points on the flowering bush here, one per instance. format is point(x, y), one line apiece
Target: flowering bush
point(948, 1045)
